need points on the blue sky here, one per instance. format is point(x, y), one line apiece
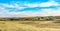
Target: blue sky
point(23, 8)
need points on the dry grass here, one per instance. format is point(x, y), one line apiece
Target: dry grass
point(27, 26)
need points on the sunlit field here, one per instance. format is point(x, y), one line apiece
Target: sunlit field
point(29, 26)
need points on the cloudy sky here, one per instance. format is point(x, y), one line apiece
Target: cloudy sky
point(22, 8)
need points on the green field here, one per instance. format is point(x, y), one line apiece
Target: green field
point(29, 26)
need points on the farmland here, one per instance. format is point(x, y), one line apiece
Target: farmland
point(30, 25)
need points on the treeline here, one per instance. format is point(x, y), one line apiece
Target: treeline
point(29, 19)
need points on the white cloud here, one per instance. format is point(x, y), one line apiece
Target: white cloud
point(44, 4)
point(4, 8)
point(31, 5)
point(12, 6)
point(50, 3)
point(44, 12)
point(51, 12)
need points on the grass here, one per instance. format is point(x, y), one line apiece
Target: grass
point(28, 26)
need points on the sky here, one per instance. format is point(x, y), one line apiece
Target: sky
point(24, 8)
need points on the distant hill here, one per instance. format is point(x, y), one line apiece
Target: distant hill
point(37, 18)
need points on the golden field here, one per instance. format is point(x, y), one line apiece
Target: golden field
point(29, 26)
point(48, 23)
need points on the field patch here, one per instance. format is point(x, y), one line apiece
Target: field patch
point(28, 26)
